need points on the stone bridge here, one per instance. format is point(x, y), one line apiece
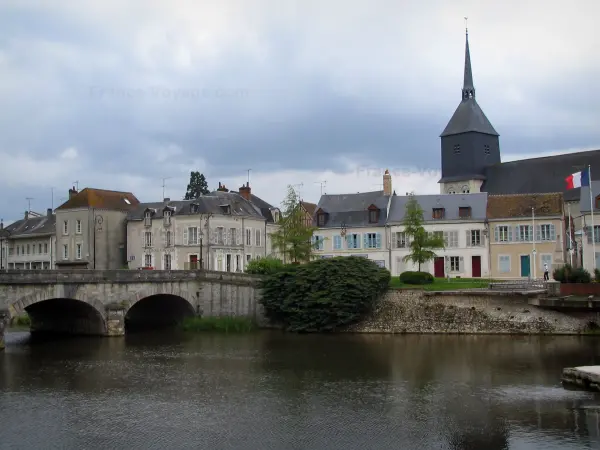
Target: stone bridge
point(109, 302)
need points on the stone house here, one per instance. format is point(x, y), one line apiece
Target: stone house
point(91, 231)
point(460, 219)
point(29, 243)
point(219, 231)
point(526, 232)
point(354, 225)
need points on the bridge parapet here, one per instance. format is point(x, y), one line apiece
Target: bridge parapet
point(122, 276)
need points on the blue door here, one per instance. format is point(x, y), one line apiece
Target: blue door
point(525, 267)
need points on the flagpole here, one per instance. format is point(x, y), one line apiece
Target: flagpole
point(592, 213)
point(533, 232)
point(571, 249)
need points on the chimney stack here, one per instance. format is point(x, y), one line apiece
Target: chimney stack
point(245, 191)
point(387, 183)
point(26, 215)
point(1, 224)
point(72, 192)
point(222, 188)
point(49, 212)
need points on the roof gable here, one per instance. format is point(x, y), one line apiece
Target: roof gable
point(101, 199)
point(352, 210)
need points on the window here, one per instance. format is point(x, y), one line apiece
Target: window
point(451, 238)
point(502, 233)
point(33, 249)
point(380, 263)
point(168, 239)
point(596, 234)
point(524, 233)
point(167, 217)
point(258, 238)
point(465, 190)
point(167, 265)
point(373, 216)
point(438, 234)
point(78, 226)
point(320, 219)
point(455, 264)
point(546, 232)
point(225, 209)
point(401, 240)
point(318, 242)
point(504, 263)
point(194, 208)
point(45, 248)
point(148, 239)
point(248, 257)
point(276, 216)
point(438, 213)
point(456, 149)
point(353, 240)
point(28, 249)
point(192, 236)
point(220, 235)
point(464, 212)
point(233, 236)
point(18, 250)
point(147, 219)
point(147, 260)
point(337, 242)
point(372, 240)
point(65, 251)
point(473, 238)
point(486, 149)
point(65, 227)
point(40, 249)
point(78, 251)
point(248, 236)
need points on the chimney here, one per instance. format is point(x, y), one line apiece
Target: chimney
point(166, 199)
point(72, 192)
point(387, 183)
point(1, 224)
point(49, 212)
point(222, 188)
point(245, 191)
point(26, 215)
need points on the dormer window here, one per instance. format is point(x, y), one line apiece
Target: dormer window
point(464, 212)
point(321, 219)
point(465, 189)
point(456, 149)
point(225, 209)
point(438, 213)
point(148, 218)
point(194, 208)
point(167, 216)
point(373, 214)
point(276, 216)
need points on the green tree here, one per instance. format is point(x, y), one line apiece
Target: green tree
point(197, 186)
point(293, 238)
point(422, 244)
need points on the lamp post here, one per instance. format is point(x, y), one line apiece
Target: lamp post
point(485, 233)
point(98, 219)
point(200, 237)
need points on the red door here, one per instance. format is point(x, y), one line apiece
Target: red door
point(438, 267)
point(476, 265)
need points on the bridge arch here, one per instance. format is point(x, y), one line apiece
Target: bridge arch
point(156, 308)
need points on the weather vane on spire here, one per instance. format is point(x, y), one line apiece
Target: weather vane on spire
point(466, 25)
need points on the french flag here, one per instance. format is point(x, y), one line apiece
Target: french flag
point(578, 179)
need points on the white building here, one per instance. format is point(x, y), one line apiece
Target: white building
point(220, 231)
point(588, 247)
point(460, 219)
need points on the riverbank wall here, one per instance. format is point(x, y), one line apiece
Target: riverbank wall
point(472, 312)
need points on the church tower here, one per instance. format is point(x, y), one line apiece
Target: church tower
point(469, 141)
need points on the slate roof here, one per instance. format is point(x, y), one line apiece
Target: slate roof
point(264, 207)
point(450, 202)
point(211, 203)
point(32, 227)
point(540, 175)
point(519, 205)
point(101, 199)
point(352, 209)
point(584, 199)
point(468, 117)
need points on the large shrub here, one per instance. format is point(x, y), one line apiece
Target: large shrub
point(567, 274)
point(323, 295)
point(264, 266)
point(416, 278)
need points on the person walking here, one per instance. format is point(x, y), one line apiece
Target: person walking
point(546, 275)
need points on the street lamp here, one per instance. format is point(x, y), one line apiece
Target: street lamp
point(344, 229)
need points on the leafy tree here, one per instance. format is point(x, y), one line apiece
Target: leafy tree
point(197, 186)
point(293, 238)
point(324, 295)
point(422, 244)
point(264, 266)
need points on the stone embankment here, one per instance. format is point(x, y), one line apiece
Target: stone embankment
point(585, 377)
point(471, 312)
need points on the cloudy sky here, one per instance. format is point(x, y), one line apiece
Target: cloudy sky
point(120, 94)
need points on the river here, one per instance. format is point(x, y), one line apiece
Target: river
point(270, 390)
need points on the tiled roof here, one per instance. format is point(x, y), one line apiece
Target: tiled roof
point(101, 199)
point(450, 202)
point(352, 209)
point(211, 203)
point(310, 208)
point(34, 226)
point(519, 205)
point(540, 175)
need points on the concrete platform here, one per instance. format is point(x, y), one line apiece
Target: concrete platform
point(584, 377)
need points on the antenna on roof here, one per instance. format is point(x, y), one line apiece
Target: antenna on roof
point(164, 185)
point(76, 183)
point(248, 170)
point(29, 203)
point(299, 185)
point(322, 183)
point(52, 191)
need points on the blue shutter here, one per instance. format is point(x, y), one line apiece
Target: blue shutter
point(337, 242)
point(378, 240)
point(365, 240)
point(552, 232)
point(349, 240)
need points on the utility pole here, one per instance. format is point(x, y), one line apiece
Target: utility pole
point(29, 203)
point(164, 185)
point(322, 183)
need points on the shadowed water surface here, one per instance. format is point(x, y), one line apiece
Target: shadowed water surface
point(276, 391)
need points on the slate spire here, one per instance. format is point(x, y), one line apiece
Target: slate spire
point(468, 90)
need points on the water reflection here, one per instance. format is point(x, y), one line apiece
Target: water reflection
point(272, 390)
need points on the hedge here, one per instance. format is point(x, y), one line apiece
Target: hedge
point(416, 278)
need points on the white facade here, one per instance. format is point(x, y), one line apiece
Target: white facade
point(466, 254)
point(31, 253)
point(591, 250)
point(367, 242)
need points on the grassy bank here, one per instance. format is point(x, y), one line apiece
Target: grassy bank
point(442, 284)
point(219, 324)
point(21, 321)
